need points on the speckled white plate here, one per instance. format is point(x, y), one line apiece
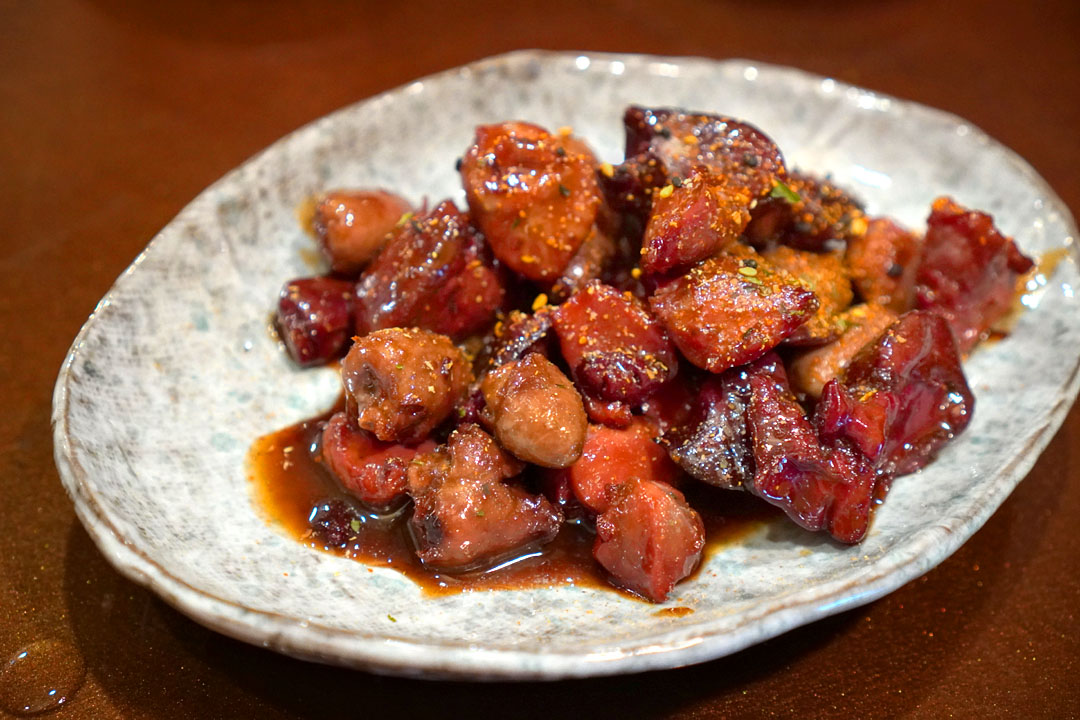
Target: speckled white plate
point(174, 375)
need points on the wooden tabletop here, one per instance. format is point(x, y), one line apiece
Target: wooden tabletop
point(114, 115)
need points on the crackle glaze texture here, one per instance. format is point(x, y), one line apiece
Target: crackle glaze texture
point(175, 374)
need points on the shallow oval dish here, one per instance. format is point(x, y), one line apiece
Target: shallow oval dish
point(174, 376)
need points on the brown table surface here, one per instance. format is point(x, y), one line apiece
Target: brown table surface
point(113, 115)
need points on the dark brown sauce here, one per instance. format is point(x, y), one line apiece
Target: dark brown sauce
point(289, 482)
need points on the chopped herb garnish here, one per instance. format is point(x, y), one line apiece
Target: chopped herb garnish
point(479, 513)
point(749, 262)
point(461, 412)
point(355, 525)
point(782, 191)
point(391, 618)
point(404, 219)
point(676, 181)
point(400, 367)
point(750, 160)
point(517, 221)
point(563, 190)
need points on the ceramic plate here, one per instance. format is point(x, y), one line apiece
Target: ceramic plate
point(175, 374)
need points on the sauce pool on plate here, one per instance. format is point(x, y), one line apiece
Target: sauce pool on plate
point(292, 487)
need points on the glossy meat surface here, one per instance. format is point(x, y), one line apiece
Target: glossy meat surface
point(352, 226)
point(713, 445)
point(692, 220)
point(616, 349)
point(729, 148)
point(860, 324)
point(968, 271)
point(373, 471)
point(806, 212)
point(432, 273)
point(730, 310)
point(883, 262)
point(402, 383)
point(649, 538)
point(591, 261)
point(611, 456)
point(464, 515)
point(825, 275)
point(820, 487)
point(535, 412)
point(315, 319)
point(533, 194)
point(519, 335)
point(903, 396)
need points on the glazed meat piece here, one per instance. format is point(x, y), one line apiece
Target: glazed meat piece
point(713, 446)
point(820, 487)
point(883, 262)
point(648, 539)
point(968, 272)
point(616, 350)
point(611, 456)
point(672, 406)
point(520, 335)
point(825, 275)
point(432, 274)
point(371, 470)
point(732, 309)
point(692, 219)
point(465, 516)
point(533, 194)
point(589, 263)
point(861, 324)
point(314, 319)
point(613, 413)
point(729, 148)
point(400, 384)
point(902, 397)
point(535, 411)
point(806, 212)
point(352, 226)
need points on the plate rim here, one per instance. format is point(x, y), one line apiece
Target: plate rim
point(378, 652)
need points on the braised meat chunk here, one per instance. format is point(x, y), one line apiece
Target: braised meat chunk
point(825, 275)
point(533, 194)
point(806, 212)
point(649, 538)
point(902, 397)
point(535, 412)
point(731, 309)
point(465, 516)
point(883, 262)
point(314, 319)
point(613, 455)
point(616, 350)
point(968, 271)
point(433, 274)
point(692, 219)
point(713, 445)
point(400, 384)
point(820, 487)
point(371, 470)
point(352, 226)
point(734, 150)
point(860, 325)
